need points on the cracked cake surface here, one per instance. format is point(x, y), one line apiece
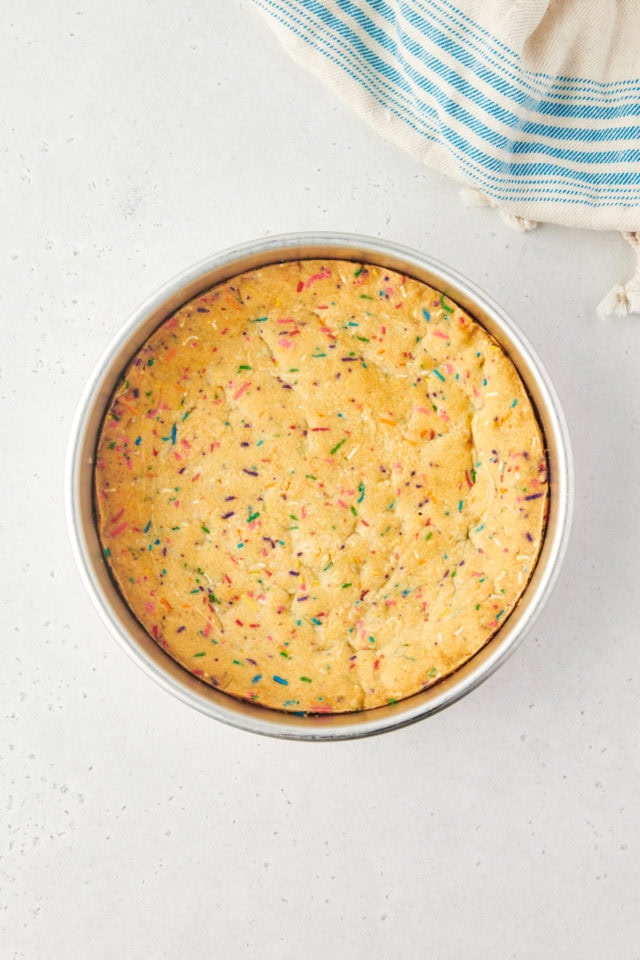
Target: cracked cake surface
point(321, 486)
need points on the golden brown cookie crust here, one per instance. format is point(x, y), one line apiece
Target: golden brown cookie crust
point(321, 486)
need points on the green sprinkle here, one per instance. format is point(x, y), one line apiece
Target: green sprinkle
point(310, 476)
point(306, 679)
point(362, 490)
point(202, 653)
point(283, 653)
point(444, 305)
point(239, 663)
point(112, 445)
point(481, 527)
point(244, 366)
point(498, 615)
point(212, 598)
point(460, 505)
point(150, 362)
point(432, 672)
point(345, 585)
point(253, 516)
point(364, 339)
point(356, 274)
point(314, 620)
point(338, 445)
point(206, 529)
point(429, 535)
point(365, 296)
point(515, 402)
point(260, 320)
point(107, 552)
point(330, 564)
point(353, 511)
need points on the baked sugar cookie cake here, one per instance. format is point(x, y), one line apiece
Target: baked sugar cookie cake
point(321, 486)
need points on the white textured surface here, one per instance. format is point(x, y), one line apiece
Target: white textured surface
point(135, 139)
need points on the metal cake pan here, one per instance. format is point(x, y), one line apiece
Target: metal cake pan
point(80, 507)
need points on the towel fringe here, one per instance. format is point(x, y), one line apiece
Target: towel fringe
point(477, 198)
point(624, 298)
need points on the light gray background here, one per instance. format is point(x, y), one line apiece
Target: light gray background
point(135, 139)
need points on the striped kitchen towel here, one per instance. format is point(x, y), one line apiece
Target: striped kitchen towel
point(532, 105)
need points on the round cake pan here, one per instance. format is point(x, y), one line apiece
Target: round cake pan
point(80, 506)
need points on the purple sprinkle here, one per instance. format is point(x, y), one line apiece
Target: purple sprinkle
point(533, 496)
point(229, 498)
point(180, 629)
point(300, 599)
point(252, 473)
point(529, 538)
point(136, 392)
point(203, 310)
point(225, 516)
point(294, 573)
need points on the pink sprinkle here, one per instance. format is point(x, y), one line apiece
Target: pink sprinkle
point(118, 530)
point(285, 343)
point(243, 389)
point(422, 410)
point(341, 503)
point(318, 276)
point(440, 333)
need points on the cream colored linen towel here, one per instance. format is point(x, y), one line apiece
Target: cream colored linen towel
point(534, 106)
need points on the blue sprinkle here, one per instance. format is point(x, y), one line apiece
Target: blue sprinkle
point(317, 622)
point(138, 441)
point(174, 433)
point(285, 683)
point(426, 314)
point(257, 677)
point(148, 527)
